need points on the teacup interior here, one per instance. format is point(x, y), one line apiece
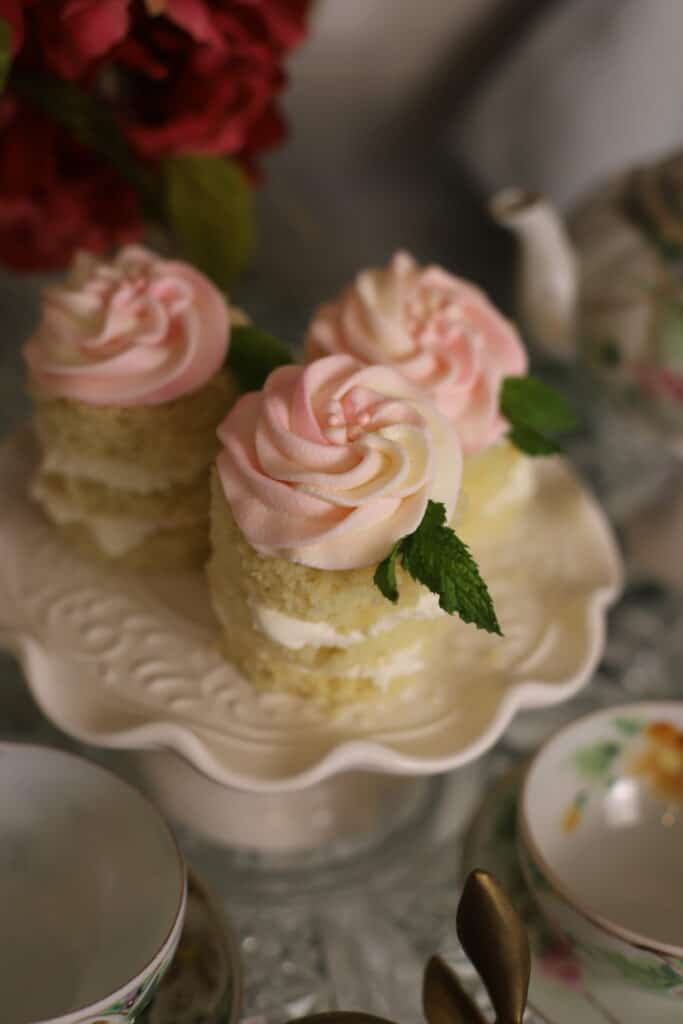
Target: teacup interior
point(622, 856)
point(90, 883)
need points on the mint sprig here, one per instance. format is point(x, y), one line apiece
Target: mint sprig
point(253, 354)
point(537, 413)
point(436, 557)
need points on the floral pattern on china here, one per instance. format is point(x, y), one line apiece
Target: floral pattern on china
point(649, 750)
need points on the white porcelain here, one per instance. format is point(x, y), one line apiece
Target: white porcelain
point(562, 989)
point(340, 807)
point(601, 831)
point(607, 286)
point(126, 661)
point(548, 274)
point(92, 891)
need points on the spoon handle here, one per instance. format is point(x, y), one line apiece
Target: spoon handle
point(494, 938)
point(444, 999)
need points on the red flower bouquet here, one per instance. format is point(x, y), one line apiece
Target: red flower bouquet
point(119, 111)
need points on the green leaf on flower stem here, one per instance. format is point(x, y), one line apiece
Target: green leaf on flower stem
point(91, 123)
point(209, 210)
point(253, 354)
point(5, 51)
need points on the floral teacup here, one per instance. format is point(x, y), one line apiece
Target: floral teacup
point(601, 841)
point(92, 890)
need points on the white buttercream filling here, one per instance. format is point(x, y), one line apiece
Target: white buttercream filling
point(115, 535)
point(298, 633)
point(407, 661)
point(113, 472)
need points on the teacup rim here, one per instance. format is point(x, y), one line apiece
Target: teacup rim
point(524, 834)
point(102, 1003)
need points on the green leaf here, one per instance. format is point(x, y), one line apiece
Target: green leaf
point(385, 575)
point(536, 412)
point(535, 404)
point(434, 556)
point(91, 123)
point(530, 441)
point(209, 210)
point(5, 51)
point(253, 354)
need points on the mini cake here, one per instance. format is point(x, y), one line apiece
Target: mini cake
point(319, 475)
point(126, 370)
point(442, 333)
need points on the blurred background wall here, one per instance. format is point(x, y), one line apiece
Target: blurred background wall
point(405, 114)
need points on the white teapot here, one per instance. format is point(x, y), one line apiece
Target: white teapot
point(608, 286)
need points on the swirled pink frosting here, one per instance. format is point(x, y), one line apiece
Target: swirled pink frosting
point(139, 330)
point(440, 331)
point(333, 462)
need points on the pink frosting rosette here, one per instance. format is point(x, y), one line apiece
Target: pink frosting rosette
point(440, 331)
point(332, 463)
point(139, 330)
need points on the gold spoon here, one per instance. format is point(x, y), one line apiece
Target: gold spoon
point(495, 940)
point(444, 1000)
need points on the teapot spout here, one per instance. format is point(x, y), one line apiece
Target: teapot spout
point(548, 276)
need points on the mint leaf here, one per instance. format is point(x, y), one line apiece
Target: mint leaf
point(253, 354)
point(436, 557)
point(209, 209)
point(5, 51)
point(385, 574)
point(536, 412)
point(531, 442)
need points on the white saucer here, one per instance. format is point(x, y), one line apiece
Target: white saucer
point(560, 991)
point(120, 660)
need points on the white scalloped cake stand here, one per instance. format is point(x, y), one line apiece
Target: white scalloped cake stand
point(121, 660)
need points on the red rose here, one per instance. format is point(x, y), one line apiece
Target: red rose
point(203, 77)
point(56, 197)
point(12, 13)
point(68, 36)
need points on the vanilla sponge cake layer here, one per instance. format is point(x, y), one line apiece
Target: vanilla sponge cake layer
point(359, 660)
point(331, 634)
point(496, 486)
point(364, 648)
point(143, 448)
point(175, 505)
point(163, 550)
point(346, 599)
point(333, 676)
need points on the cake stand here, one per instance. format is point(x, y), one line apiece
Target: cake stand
point(124, 661)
